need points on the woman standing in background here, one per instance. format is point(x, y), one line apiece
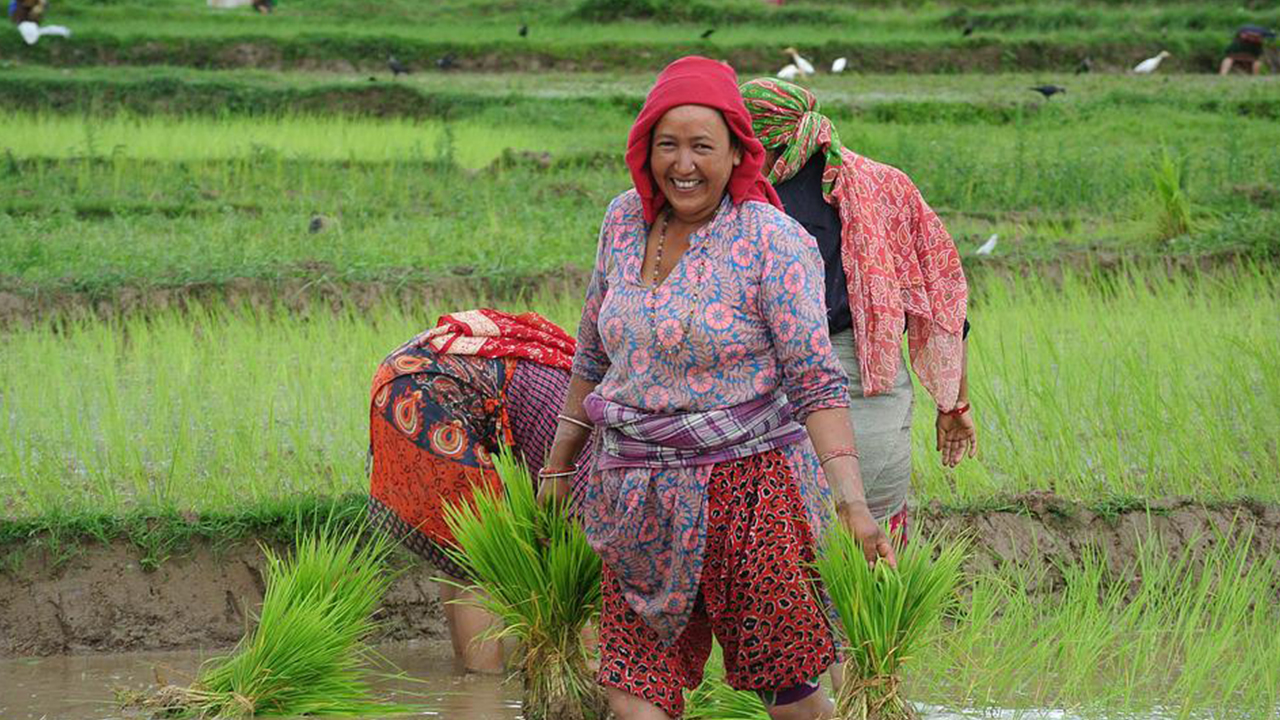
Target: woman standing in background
point(889, 265)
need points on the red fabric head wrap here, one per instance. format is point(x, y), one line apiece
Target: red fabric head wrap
point(697, 80)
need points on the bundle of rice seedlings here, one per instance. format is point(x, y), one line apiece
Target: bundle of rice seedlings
point(887, 614)
point(535, 571)
point(308, 654)
point(714, 699)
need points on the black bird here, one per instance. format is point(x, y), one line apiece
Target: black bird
point(445, 62)
point(1048, 91)
point(968, 29)
point(396, 67)
point(524, 31)
point(1085, 66)
point(706, 34)
point(317, 224)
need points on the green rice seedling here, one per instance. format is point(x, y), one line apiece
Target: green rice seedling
point(1082, 392)
point(1173, 205)
point(887, 614)
point(286, 137)
point(540, 577)
point(309, 653)
point(1160, 634)
point(714, 699)
point(218, 406)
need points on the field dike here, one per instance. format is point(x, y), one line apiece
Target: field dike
point(102, 597)
point(320, 285)
point(179, 95)
point(349, 54)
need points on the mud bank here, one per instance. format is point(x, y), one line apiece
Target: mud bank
point(24, 306)
point(104, 600)
point(318, 285)
point(356, 54)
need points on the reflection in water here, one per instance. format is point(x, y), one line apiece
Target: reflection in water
point(82, 687)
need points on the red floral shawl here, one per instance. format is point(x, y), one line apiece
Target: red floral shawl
point(493, 334)
point(899, 261)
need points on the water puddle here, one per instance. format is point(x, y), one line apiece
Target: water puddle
point(81, 687)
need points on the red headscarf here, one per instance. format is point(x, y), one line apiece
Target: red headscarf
point(697, 80)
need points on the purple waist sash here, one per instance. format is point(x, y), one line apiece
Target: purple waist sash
point(633, 438)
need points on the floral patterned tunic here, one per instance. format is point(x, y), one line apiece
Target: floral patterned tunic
point(740, 316)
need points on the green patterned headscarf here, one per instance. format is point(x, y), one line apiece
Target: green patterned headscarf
point(786, 115)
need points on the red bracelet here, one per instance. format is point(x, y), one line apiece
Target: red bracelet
point(838, 452)
point(957, 410)
point(542, 473)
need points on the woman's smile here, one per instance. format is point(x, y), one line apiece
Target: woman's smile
point(687, 186)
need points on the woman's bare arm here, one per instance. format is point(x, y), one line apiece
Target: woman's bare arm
point(569, 440)
point(830, 432)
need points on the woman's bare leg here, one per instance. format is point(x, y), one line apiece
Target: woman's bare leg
point(467, 624)
point(626, 706)
point(814, 707)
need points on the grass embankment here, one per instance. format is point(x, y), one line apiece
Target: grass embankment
point(1137, 389)
point(619, 35)
point(963, 99)
point(122, 201)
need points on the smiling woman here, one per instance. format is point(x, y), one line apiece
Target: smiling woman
point(703, 359)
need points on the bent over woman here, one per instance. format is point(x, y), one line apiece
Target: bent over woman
point(704, 363)
point(442, 404)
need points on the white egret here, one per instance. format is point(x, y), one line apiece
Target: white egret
point(988, 246)
point(804, 66)
point(1148, 66)
point(839, 65)
point(788, 72)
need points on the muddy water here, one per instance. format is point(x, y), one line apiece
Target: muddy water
point(83, 687)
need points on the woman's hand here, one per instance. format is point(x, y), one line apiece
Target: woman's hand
point(957, 437)
point(856, 518)
point(551, 488)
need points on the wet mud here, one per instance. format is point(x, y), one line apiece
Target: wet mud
point(103, 599)
point(85, 687)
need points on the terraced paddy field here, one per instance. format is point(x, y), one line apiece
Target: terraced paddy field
point(631, 34)
point(122, 187)
point(214, 224)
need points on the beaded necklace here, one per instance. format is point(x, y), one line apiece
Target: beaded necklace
point(653, 290)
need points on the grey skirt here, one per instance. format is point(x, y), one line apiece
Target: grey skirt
point(882, 428)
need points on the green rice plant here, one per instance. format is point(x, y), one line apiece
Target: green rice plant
point(714, 699)
point(886, 614)
point(286, 137)
point(219, 406)
point(1169, 191)
point(1140, 384)
point(1121, 632)
point(309, 653)
point(539, 576)
point(171, 199)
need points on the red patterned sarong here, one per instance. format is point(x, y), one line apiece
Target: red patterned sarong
point(437, 415)
point(756, 597)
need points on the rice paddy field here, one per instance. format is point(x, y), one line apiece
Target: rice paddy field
point(214, 224)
